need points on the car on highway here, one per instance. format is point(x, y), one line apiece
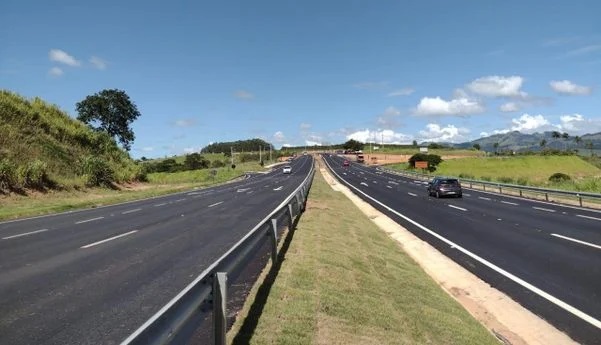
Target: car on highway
point(287, 169)
point(346, 163)
point(445, 186)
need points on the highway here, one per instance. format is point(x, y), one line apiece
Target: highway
point(94, 276)
point(545, 256)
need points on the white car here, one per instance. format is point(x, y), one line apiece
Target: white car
point(287, 169)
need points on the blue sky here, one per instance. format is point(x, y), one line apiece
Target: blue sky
point(313, 72)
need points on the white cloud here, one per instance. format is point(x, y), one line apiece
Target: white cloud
point(566, 87)
point(305, 126)
point(279, 137)
point(509, 107)
point(497, 86)
point(286, 145)
point(530, 123)
point(147, 149)
point(387, 136)
point(185, 123)
point(437, 106)
point(243, 94)
point(434, 132)
point(312, 143)
point(406, 91)
point(58, 55)
point(191, 150)
point(389, 119)
point(55, 72)
point(98, 62)
point(371, 85)
point(577, 124)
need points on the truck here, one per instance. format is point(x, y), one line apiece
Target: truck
point(360, 159)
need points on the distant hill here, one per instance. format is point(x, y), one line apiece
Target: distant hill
point(519, 142)
point(43, 147)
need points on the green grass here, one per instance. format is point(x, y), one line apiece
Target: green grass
point(17, 206)
point(344, 281)
point(530, 170)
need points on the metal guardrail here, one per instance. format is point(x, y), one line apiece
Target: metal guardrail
point(500, 188)
point(176, 320)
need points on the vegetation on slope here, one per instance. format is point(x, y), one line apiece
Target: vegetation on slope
point(42, 147)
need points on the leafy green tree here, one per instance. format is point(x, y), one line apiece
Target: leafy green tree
point(110, 111)
point(433, 160)
point(555, 135)
point(496, 146)
point(477, 146)
point(543, 143)
point(414, 143)
point(353, 145)
point(193, 161)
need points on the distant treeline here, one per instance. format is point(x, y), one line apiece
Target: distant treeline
point(251, 145)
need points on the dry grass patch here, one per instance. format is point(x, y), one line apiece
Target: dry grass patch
point(346, 282)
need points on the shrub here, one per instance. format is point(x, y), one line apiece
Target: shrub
point(217, 164)
point(7, 174)
point(559, 177)
point(96, 171)
point(33, 174)
point(486, 178)
point(523, 181)
point(505, 179)
point(466, 176)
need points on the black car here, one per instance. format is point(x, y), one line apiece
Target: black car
point(443, 186)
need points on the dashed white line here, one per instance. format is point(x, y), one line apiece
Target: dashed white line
point(587, 217)
point(412, 194)
point(543, 209)
point(89, 220)
point(458, 208)
point(483, 198)
point(577, 241)
point(180, 200)
point(161, 204)
point(24, 234)
point(132, 211)
point(365, 184)
point(242, 190)
point(375, 182)
point(108, 239)
point(279, 188)
point(388, 187)
point(509, 203)
point(392, 182)
point(215, 204)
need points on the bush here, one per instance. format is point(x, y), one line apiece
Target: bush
point(486, 178)
point(33, 174)
point(217, 164)
point(7, 174)
point(96, 171)
point(505, 179)
point(559, 177)
point(523, 181)
point(466, 176)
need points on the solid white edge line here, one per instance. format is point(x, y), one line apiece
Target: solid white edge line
point(108, 239)
point(582, 315)
point(89, 220)
point(161, 204)
point(458, 208)
point(510, 203)
point(577, 241)
point(132, 211)
point(543, 209)
point(587, 217)
point(24, 234)
point(412, 194)
point(215, 204)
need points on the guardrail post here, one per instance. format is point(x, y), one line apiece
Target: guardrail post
point(484, 187)
point(500, 189)
point(219, 308)
point(290, 223)
point(546, 196)
point(274, 241)
point(579, 199)
point(520, 193)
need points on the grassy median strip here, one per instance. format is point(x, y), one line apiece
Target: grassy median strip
point(344, 281)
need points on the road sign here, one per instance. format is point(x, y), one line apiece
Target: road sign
point(421, 164)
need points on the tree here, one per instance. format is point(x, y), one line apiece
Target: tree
point(555, 135)
point(577, 140)
point(110, 111)
point(543, 143)
point(414, 143)
point(476, 146)
point(353, 145)
point(433, 160)
point(589, 145)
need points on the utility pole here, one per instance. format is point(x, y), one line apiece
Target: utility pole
point(270, 152)
point(232, 154)
point(260, 156)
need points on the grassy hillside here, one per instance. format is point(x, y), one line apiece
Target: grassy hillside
point(43, 147)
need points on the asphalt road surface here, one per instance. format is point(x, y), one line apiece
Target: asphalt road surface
point(94, 276)
point(545, 256)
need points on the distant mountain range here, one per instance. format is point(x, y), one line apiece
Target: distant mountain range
point(519, 142)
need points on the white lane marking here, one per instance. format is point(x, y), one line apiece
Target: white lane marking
point(180, 200)
point(465, 194)
point(392, 182)
point(279, 188)
point(365, 184)
point(577, 241)
point(483, 198)
point(108, 239)
point(132, 211)
point(587, 217)
point(192, 193)
point(24, 234)
point(242, 190)
point(458, 208)
point(89, 220)
point(388, 187)
point(509, 203)
point(361, 172)
point(412, 194)
point(343, 173)
point(161, 204)
point(543, 209)
point(577, 312)
point(215, 204)
point(375, 182)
